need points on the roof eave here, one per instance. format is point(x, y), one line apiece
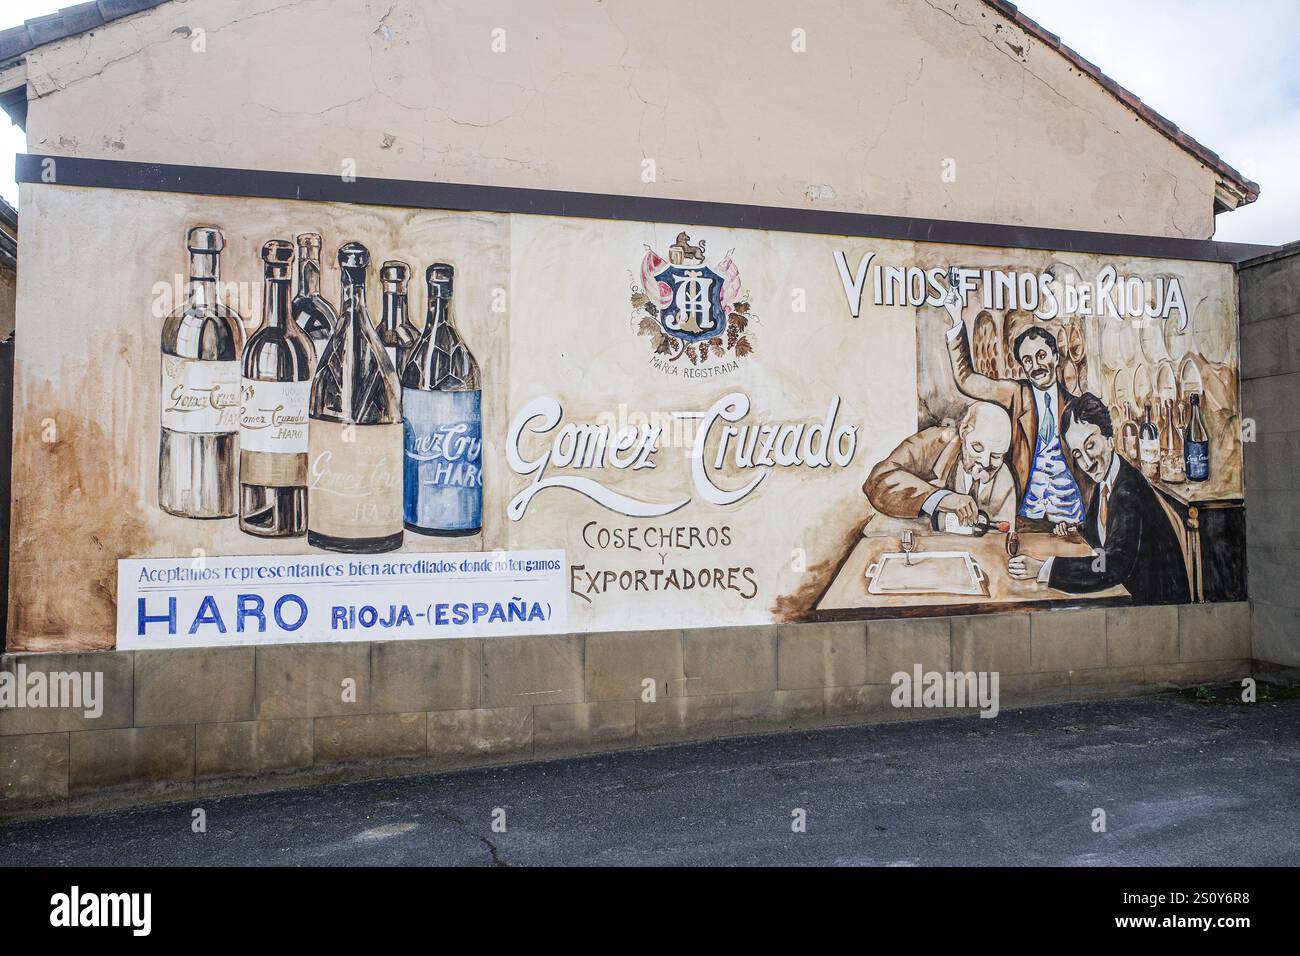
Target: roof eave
point(1232, 189)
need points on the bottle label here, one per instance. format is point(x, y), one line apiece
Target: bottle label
point(274, 416)
point(952, 525)
point(1198, 460)
point(199, 396)
point(1150, 449)
point(354, 479)
point(443, 465)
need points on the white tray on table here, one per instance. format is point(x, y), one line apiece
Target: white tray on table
point(930, 572)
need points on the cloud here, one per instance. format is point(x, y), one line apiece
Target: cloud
point(1226, 73)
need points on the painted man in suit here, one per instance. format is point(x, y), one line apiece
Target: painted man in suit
point(957, 471)
point(1048, 487)
point(1125, 524)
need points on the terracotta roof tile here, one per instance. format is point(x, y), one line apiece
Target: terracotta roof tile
point(68, 22)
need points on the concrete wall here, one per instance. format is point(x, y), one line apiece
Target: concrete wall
point(584, 92)
point(184, 722)
point(1270, 372)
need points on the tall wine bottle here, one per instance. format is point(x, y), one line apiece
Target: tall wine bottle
point(201, 345)
point(395, 328)
point(355, 435)
point(1129, 435)
point(1149, 446)
point(279, 362)
point(311, 310)
point(442, 414)
point(1196, 444)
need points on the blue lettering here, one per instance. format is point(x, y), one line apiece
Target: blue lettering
point(208, 614)
point(144, 619)
point(250, 605)
point(302, 616)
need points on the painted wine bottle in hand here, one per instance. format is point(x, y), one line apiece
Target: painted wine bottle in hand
point(395, 328)
point(354, 459)
point(201, 344)
point(949, 523)
point(442, 414)
point(311, 310)
point(279, 361)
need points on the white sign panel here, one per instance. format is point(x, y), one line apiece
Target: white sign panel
point(217, 601)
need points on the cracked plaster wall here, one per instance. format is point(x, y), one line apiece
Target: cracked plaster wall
point(585, 91)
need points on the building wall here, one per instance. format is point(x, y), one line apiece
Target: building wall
point(1270, 355)
point(583, 95)
point(888, 96)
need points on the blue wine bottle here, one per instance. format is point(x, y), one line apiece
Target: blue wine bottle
point(442, 416)
point(1196, 444)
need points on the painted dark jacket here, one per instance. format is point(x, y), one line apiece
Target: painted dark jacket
point(1142, 552)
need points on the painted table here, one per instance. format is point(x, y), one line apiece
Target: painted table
point(848, 598)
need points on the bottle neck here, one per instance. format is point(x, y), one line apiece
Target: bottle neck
point(275, 303)
point(308, 273)
point(205, 278)
point(394, 309)
point(439, 313)
point(354, 291)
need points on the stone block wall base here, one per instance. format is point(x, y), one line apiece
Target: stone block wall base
point(182, 726)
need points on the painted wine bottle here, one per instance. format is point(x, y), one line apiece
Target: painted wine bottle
point(395, 329)
point(1149, 446)
point(311, 310)
point(279, 362)
point(443, 423)
point(202, 341)
point(1196, 444)
point(354, 471)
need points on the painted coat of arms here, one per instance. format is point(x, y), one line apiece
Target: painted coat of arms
point(690, 309)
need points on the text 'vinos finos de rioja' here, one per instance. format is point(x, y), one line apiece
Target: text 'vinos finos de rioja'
point(278, 365)
point(355, 432)
point(442, 412)
point(201, 346)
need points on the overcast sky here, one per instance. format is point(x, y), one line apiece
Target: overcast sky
point(1226, 71)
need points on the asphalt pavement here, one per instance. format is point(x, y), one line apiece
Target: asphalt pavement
point(1181, 781)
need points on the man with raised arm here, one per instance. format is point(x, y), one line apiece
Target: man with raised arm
point(1040, 461)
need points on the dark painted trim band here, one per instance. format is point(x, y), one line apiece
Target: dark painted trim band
point(1281, 252)
point(412, 194)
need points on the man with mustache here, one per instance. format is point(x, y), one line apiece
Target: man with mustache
point(1039, 457)
point(957, 471)
point(1135, 542)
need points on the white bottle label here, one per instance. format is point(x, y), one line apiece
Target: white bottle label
point(274, 416)
point(199, 396)
point(952, 525)
point(354, 479)
point(1150, 449)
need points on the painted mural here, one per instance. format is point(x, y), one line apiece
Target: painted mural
point(335, 422)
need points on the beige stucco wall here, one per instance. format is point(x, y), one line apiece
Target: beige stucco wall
point(584, 92)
